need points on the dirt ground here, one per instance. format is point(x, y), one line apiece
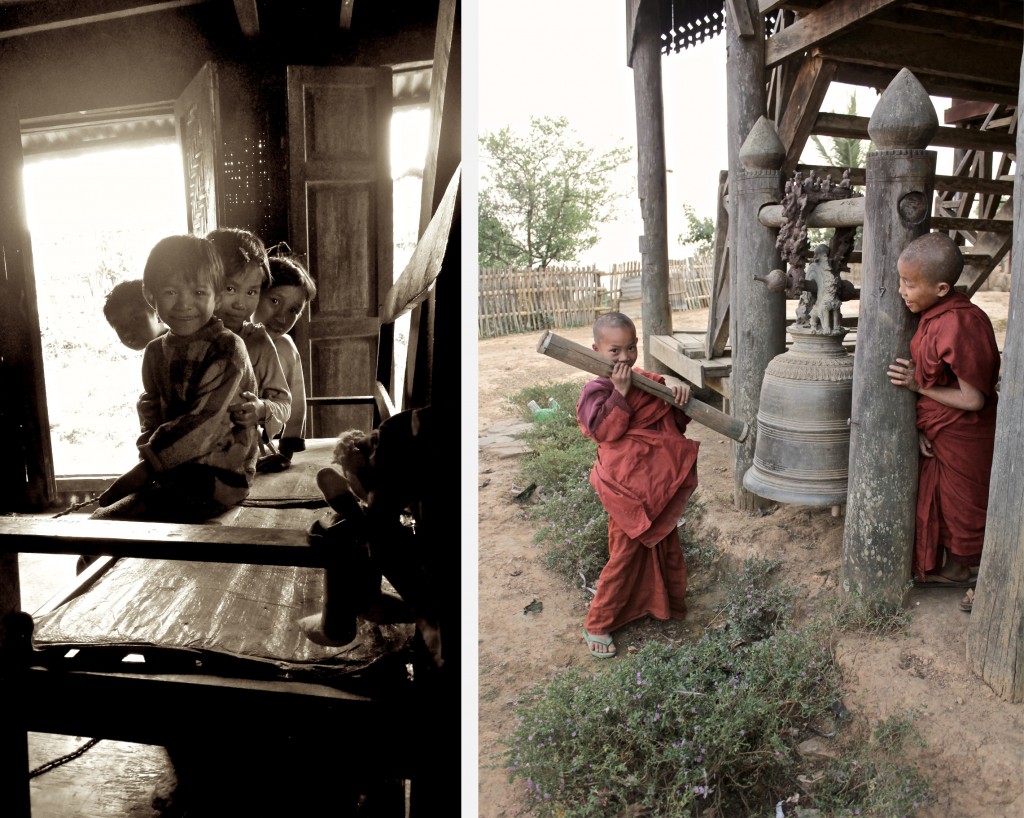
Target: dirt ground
point(975, 741)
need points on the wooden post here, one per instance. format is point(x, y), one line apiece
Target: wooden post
point(645, 60)
point(745, 104)
point(758, 316)
point(878, 537)
point(14, 658)
point(995, 650)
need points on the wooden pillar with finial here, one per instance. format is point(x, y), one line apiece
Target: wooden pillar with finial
point(757, 316)
point(878, 538)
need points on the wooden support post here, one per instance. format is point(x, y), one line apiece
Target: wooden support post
point(14, 790)
point(995, 644)
point(758, 320)
point(878, 538)
point(745, 104)
point(645, 59)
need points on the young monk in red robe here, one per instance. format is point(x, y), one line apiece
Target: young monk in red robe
point(645, 472)
point(954, 369)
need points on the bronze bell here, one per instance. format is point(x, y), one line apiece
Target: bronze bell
point(802, 450)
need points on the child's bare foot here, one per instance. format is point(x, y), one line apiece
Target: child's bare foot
point(601, 645)
point(313, 627)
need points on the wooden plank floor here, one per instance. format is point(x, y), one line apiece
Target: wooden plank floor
point(111, 779)
point(114, 779)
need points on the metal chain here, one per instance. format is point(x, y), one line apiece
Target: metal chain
point(76, 506)
point(64, 759)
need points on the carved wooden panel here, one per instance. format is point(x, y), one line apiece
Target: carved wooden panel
point(197, 124)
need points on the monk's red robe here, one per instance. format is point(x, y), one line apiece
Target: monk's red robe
point(645, 472)
point(954, 342)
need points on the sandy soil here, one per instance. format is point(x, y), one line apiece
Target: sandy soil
point(975, 741)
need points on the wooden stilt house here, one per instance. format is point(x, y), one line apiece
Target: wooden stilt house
point(782, 57)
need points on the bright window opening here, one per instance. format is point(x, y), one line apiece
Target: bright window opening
point(93, 218)
point(410, 130)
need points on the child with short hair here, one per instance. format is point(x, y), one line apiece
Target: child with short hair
point(131, 316)
point(645, 472)
point(954, 370)
point(246, 276)
point(195, 463)
point(280, 308)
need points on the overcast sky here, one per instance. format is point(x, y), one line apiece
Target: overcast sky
point(568, 58)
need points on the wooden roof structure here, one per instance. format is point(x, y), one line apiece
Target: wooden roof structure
point(782, 58)
point(812, 43)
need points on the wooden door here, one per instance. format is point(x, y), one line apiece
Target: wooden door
point(340, 218)
point(197, 124)
point(26, 476)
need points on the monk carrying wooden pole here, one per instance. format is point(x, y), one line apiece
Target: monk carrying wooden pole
point(577, 355)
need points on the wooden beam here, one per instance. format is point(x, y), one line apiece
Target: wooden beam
point(632, 10)
point(345, 18)
point(248, 18)
point(936, 84)
point(32, 18)
point(954, 28)
point(989, 11)
point(821, 25)
point(443, 142)
point(122, 538)
point(846, 126)
point(881, 46)
point(739, 11)
point(718, 308)
point(814, 77)
point(966, 184)
point(423, 268)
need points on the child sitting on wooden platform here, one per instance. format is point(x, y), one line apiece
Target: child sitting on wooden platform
point(195, 463)
point(246, 276)
point(280, 308)
point(131, 316)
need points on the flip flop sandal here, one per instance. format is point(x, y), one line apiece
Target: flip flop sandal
point(968, 601)
point(593, 640)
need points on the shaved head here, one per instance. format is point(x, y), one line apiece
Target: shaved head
point(936, 256)
point(612, 320)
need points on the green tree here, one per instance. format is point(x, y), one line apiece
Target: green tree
point(543, 195)
point(700, 232)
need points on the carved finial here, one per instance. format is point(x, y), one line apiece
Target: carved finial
point(904, 116)
point(762, 149)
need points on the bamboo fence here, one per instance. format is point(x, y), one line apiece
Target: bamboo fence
point(513, 301)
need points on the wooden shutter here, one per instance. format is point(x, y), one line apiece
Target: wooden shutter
point(197, 123)
point(340, 214)
point(26, 477)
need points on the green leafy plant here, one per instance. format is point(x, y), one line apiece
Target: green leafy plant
point(755, 607)
point(712, 727)
point(675, 730)
point(857, 613)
